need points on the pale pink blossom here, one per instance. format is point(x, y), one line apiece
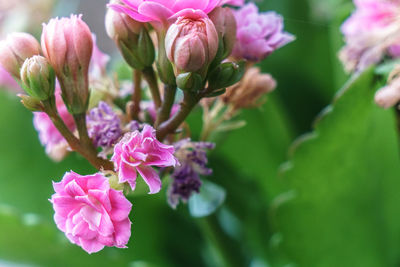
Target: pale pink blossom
point(389, 95)
point(258, 34)
point(163, 11)
point(371, 32)
point(90, 213)
point(138, 152)
point(50, 137)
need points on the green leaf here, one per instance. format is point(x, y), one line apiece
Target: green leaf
point(206, 202)
point(343, 182)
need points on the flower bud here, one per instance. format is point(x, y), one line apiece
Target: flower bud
point(38, 78)
point(226, 75)
point(31, 103)
point(225, 24)
point(191, 42)
point(189, 81)
point(67, 44)
point(15, 49)
point(132, 39)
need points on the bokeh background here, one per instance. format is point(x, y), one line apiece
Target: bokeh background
point(330, 198)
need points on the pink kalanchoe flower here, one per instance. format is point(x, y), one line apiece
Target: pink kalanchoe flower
point(90, 213)
point(138, 152)
point(162, 11)
point(371, 32)
point(258, 34)
point(50, 137)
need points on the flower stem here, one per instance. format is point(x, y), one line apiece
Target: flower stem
point(170, 126)
point(73, 142)
point(165, 111)
point(228, 251)
point(137, 94)
point(151, 79)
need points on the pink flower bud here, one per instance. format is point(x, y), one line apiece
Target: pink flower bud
point(15, 49)
point(67, 44)
point(191, 42)
point(225, 24)
point(121, 26)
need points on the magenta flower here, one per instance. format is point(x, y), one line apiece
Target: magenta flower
point(90, 213)
point(162, 11)
point(50, 137)
point(258, 34)
point(138, 152)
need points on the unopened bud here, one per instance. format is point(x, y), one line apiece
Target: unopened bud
point(67, 43)
point(191, 42)
point(31, 103)
point(132, 39)
point(189, 81)
point(225, 24)
point(38, 78)
point(226, 74)
point(15, 49)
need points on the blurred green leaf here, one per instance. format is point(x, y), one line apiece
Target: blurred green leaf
point(207, 201)
point(344, 181)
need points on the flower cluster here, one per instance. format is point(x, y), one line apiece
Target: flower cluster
point(139, 130)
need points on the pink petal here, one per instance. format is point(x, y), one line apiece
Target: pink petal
point(150, 176)
point(121, 207)
point(91, 246)
point(91, 216)
point(122, 233)
point(155, 11)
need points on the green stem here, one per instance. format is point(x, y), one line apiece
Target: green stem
point(228, 250)
point(73, 142)
point(170, 126)
point(165, 111)
point(151, 79)
point(137, 94)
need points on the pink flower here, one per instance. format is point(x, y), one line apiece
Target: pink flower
point(258, 34)
point(50, 137)
point(90, 213)
point(162, 11)
point(137, 152)
point(371, 32)
point(191, 42)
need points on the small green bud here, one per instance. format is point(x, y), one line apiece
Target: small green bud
point(226, 74)
point(189, 81)
point(31, 103)
point(38, 78)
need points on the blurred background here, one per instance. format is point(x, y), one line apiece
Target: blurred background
point(331, 199)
